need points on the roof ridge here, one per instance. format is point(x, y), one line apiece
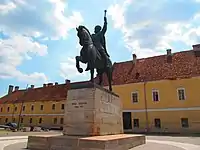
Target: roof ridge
point(150, 57)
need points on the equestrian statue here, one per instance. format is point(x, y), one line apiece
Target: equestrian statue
point(94, 53)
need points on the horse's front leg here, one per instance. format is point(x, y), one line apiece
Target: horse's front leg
point(78, 59)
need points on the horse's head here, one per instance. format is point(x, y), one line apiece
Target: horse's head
point(84, 35)
point(80, 35)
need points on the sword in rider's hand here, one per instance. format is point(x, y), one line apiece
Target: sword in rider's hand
point(105, 11)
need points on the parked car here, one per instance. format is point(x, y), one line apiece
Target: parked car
point(12, 125)
point(9, 126)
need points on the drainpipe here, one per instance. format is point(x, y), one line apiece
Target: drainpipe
point(145, 104)
point(13, 111)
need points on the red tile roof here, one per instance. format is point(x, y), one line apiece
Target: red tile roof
point(183, 65)
point(48, 93)
point(12, 97)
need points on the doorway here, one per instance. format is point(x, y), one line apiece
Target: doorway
point(127, 123)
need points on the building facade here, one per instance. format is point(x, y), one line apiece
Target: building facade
point(161, 106)
point(159, 94)
point(42, 106)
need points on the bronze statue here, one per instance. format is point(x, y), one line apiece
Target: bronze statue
point(94, 52)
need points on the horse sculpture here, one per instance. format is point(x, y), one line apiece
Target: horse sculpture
point(89, 54)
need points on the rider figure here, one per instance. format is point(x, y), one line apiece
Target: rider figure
point(99, 41)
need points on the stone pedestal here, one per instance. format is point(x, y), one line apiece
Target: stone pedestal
point(92, 111)
point(106, 142)
point(92, 121)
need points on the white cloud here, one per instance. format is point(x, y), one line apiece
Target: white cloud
point(5, 8)
point(149, 30)
point(68, 70)
point(46, 18)
point(13, 52)
point(63, 23)
point(21, 20)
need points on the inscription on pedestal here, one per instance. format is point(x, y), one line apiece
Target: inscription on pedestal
point(79, 104)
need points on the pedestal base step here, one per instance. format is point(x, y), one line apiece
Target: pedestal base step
point(63, 142)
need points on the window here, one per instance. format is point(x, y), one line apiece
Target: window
point(53, 106)
point(32, 107)
point(23, 108)
point(41, 107)
point(55, 120)
point(13, 119)
point(8, 109)
point(157, 123)
point(62, 106)
point(136, 123)
point(40, 120)
point(61, 120)
point(31, 120)
point(155, 95)
point(134, 97)
point(22, 120)
point(15, 108)
point(181, 94)
point(1, 109)
point(184, 122)
point(6, 120)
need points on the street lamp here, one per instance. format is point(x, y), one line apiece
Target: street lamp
point(22, 105)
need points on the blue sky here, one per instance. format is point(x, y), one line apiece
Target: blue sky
point(38, 39)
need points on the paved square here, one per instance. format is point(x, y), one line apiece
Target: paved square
point(153, 143)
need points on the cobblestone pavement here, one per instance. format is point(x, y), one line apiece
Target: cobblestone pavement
point(153, 143)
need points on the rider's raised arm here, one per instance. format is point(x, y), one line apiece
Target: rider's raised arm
point(104, 26)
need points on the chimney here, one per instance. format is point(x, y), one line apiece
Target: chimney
point(169, 52)
point(10, 89)
point(44, 85)
point(50, 84)
point(134, 58)
point(169, 56)
point(56, 83)
point(16, 88)
point(67, 81)
point(32, 86)
point(196, 49)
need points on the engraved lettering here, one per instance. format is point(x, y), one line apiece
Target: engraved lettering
point(82, 103)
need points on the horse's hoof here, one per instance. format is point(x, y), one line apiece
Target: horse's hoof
point(80, 70)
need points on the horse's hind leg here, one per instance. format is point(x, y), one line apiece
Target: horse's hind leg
point(100, 75)
point(100, 79)
point(92, 75)
point(109, 76)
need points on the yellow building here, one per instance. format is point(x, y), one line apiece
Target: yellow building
point(42, 106)
point(159, 94)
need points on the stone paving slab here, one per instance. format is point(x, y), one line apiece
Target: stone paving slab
point(191, 140)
